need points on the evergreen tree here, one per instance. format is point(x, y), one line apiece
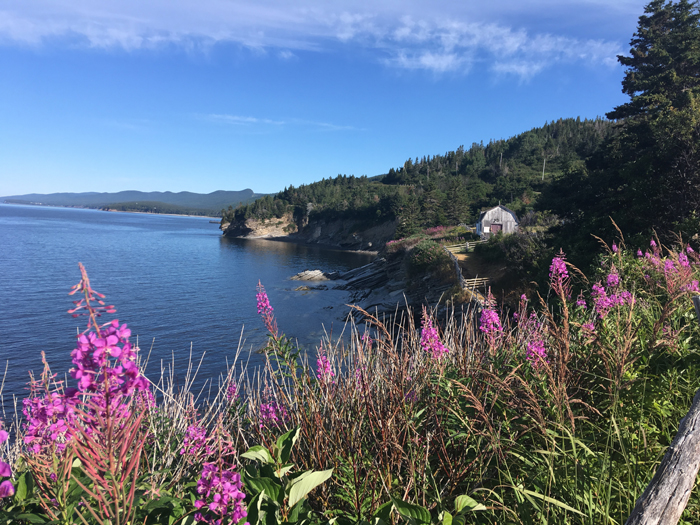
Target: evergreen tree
point(655, 159)
point(663, 70)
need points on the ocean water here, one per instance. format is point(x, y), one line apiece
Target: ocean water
point(177, 283)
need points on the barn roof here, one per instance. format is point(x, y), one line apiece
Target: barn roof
point(481, 215)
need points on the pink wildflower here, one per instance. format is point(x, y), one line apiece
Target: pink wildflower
point(231, 392)
point(429, 339)
point(272, 414)
point(265, 310)
point(692, 287)
point(195, 442)
point(324, 372)
point(559, 275)
point(604, 302)
point(536, 353)
point(42, 416)
point(580, 301)
point(221, 494)
point(490, 326)
point(7, 489)
point(669, 266)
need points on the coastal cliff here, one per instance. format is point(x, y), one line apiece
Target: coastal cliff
point(343, 233)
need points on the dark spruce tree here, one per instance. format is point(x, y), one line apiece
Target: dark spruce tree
point(655, 158)
point(646, 176)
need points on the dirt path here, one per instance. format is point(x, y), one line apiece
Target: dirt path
point(474, 266)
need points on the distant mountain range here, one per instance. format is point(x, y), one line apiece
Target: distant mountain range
point(154, 201)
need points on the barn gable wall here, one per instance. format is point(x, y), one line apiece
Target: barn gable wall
point(497, 215)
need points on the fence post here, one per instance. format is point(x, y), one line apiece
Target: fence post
point(666, 496)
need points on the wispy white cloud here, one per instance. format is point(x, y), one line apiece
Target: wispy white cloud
point(286, 54)
point(454, 46)
point(238, 119)
point(442, 36)
point(296, 122)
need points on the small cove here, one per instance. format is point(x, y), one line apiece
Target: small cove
point(175, 281)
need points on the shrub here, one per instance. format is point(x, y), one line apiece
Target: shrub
point(426, 255)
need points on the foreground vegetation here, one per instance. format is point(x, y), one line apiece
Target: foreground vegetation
point(557, 412)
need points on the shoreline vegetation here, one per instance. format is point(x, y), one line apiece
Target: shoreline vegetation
point(557, 411)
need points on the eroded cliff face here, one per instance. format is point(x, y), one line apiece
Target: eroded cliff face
point(346, 234)
point(255, 229)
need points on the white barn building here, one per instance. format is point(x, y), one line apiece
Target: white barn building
point(498, 219)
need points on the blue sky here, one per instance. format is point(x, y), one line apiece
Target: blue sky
point(174, 95)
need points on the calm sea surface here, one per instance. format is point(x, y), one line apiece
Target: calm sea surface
point(174, 280)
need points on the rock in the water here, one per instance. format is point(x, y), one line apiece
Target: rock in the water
point(314, 275)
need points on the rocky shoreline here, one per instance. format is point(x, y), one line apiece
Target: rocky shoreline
point(381, 287)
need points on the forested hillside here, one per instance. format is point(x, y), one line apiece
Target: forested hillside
point(184, 202)
point(443, 189)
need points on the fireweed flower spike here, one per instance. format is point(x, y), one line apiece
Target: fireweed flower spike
point(559, 275)
point(272, 414)
point(429, 339)
point(265, 310)
point(222, 495)
point(104, 367)
point(90, 296)
point(324, 372)
point(231, 392)
point(536, 353)
point(490, 323)
point(49, 415)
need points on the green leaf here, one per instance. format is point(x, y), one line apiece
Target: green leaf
point(446, 518)
point(383, 513)
point(31, 518)
point(162, 502)
point(549, 500)
point(254, 508)
point(266, 485)
point(469, 503)
point(282, 471)
point(414, 513)
point(285, 443)
point(305, 483)
point(258, 453)
point(22, 488)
